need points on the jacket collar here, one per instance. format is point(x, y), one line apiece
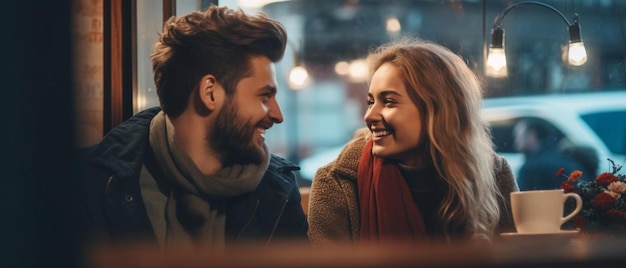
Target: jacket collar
point(347, 163)
point(121, 150)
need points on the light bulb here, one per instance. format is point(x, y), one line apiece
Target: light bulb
point(496, 63)
point(357, 72)
point(577, 54)
point(298, 77)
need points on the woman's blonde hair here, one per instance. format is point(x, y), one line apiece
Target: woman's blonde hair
point(449, 97)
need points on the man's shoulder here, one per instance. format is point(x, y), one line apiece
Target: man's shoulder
point(280, 174)
point(278, 162)
point(281, 168)
point(122, 148)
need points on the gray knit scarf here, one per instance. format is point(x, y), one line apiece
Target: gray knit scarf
point(191, 217)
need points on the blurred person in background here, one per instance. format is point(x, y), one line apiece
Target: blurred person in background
point(543, 157)
point(196, 171)
point(587, 158)
point(425, 167)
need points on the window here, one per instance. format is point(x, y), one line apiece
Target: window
point(610, 127)
point(327, 34)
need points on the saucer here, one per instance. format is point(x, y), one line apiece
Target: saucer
point(563, 236)
point(558, 239)
point(559, 233)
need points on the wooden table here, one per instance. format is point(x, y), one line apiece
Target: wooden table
point(534, 252)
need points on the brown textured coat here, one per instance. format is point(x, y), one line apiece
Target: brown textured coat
point(333, 207)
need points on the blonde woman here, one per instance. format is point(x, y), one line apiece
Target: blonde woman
point(424, 168)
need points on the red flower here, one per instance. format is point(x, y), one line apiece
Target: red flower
point(606, 178)
point(615, 214)
point(567, 188)
point(603, 201)
point(560, 172)
point(574, 175)
point(604, 208)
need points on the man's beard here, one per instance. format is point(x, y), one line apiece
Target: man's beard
point(231, 138)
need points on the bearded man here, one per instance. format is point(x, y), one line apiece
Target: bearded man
point(196, 170)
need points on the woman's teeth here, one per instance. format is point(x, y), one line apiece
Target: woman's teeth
point(380, 133)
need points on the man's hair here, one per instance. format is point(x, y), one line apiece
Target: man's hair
point(219, 41)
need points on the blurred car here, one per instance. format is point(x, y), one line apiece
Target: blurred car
point(597, 120)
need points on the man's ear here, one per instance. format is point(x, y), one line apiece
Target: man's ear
point(207, 91)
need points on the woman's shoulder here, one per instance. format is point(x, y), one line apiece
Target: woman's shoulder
point(500, 162)
point(504, 174)
point(347, 162)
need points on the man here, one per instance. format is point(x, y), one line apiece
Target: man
point(535, 138)
point(197, 171)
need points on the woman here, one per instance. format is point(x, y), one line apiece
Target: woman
point(425, 167)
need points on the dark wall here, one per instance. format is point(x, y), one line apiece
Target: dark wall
point(36, 110)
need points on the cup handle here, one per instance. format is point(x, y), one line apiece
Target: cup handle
point(579, 206)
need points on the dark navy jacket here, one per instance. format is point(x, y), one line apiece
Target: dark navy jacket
point(114, 207)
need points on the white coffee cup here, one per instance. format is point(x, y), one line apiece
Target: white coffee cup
point(541, 211)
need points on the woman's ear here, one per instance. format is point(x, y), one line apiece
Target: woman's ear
point(207, 91)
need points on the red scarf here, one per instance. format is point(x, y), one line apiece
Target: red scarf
point(388, 211)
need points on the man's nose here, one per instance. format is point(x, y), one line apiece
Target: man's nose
point(275, 113)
